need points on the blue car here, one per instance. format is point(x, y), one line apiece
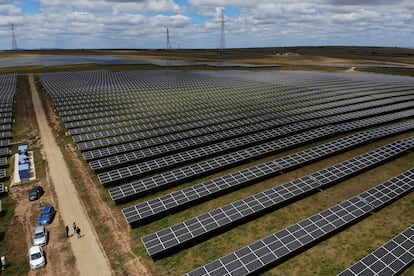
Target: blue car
point(47, 215)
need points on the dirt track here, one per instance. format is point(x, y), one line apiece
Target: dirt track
point(90, 258)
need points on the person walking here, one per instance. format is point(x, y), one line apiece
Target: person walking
point(67, 231)
point(78, 232)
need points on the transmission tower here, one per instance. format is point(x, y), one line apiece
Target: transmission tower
point(222, 37)
point(168, 41)
point(14, 42)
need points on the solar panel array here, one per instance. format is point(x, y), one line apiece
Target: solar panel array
point(390, 259)
point(135, 189)
point(177, 159)
point(8, 86)
point(175, 237)
point(142, 132)
point(150, 210)
point(291, 240)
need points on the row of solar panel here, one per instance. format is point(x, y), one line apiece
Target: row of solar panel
point(117, 149)
point(390, 259)
point(144, 120)
point(141, 169)
point(162, 106)
point(80, 97)
point(138, 188)
point(169, 148)
point(193, 230)
point(152, 108)
point(272, 249)
point(159, 128)
point(161, 87)
point(271, 97)
point(8, 86)
point(104, 97)
point(105, 80)
point(76, 84)
point(271, 111)
point(138, 170)
point(148, 211)
point(224, 112)
point(199, 123)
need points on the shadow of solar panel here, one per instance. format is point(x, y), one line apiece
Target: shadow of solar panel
point(300, 236)
point(390, 259)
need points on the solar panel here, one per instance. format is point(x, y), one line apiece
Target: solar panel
point(275, 248)
point(245, 209)
point(147, 211)
point(3, 173)
point(3, 161)
point(4, 151)
point(390, 259)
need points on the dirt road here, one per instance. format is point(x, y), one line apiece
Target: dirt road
point(90, 258)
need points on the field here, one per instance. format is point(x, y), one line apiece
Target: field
point(161, 147)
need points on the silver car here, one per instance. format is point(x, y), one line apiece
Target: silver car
point(40, 235)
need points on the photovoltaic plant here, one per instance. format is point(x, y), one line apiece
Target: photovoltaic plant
point(143, 132)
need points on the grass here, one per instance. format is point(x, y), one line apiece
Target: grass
point(11, 229)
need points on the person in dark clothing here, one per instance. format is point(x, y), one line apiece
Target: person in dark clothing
point(74, 228)
point(67, 231)
point(78, 232)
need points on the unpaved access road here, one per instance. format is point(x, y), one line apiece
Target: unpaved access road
point(90, 258)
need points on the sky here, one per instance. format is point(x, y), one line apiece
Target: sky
point(85, 24)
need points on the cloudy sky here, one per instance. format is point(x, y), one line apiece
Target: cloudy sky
point(197, 23)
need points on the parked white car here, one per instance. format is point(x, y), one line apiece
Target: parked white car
point(40, 235)
point(36, 257)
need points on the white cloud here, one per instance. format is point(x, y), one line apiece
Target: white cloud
point(142, 23)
